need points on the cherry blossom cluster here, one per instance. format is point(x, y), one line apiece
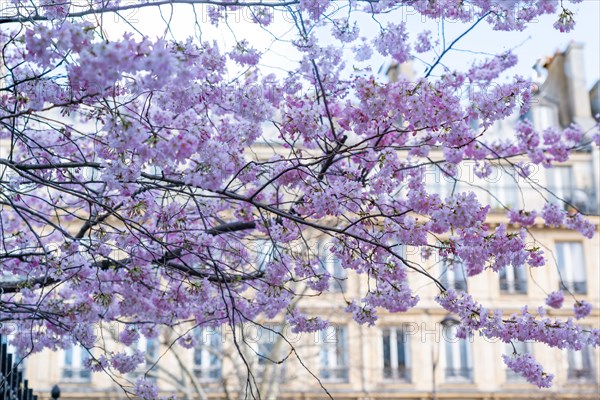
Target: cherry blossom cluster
point(519, 326)
point(526, 366)
point(157, 180)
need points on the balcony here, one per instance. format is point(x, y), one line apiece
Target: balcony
point(208, 373)
point(456, 283)
point(585, 374)
point(334, 374)
point(459, 374)
point(574, 287)
point(501, 197)
point(582, 200)
point(396, 374)
point(508, 286)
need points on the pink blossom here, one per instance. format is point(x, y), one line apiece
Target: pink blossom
point(302, 323)
point(244, 54)
point(128, 336)
point(146, 389)
point(140, 171)
point(565, 22)
point(423, 42)
point(393, 40)
point(314, 8)
point(362, 315)
point(574, 134)
point(553, 215)
point(536, 258)
point(555, 299)
point(526, 366)
point(522, 217)
point(577, 222)
point(125, 363)
point(582, 309)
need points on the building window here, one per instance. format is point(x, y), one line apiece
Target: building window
point(74, 369)
point(453, 274)
point(332, 265)
point(207, 354)
point(458, 356)
point(544, 117)
point(395, 354)
point(560, 184)
point(580, 364)
point(333, 354)
point(269, 337)
point(437, 182)
point(520, 348)
point(265, 253)
point(502, 187)
point(149, 347)
point(266, 342)
point(513, 280)
point(571, 267)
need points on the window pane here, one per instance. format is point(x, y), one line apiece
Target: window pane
point(560, 184)
point(387, 355)
point(207, 354)
point(75, 359)
point(503, 188)
point(571, 266)
point(458, 357)
point(513, 279)
point(453, 274)
point(580, 364)
point(332, 265)
point(400, 350)
point(69, 357)
point(333, 353)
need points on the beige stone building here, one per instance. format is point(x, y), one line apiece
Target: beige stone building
point(411, 355)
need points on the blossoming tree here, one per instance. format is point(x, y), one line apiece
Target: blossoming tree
point(153, 180)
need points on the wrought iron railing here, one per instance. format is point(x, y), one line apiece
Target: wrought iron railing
point(12, 384)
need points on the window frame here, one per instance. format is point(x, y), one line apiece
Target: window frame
point(397, 339)
point(332, 265)
point(503, 189)
point(513, 280)
point(150, 348)
point(572, 274)
point(207, 358)
point(585, 357)
point(334, 354)
point(75, 371)
point(457, 350)
point(559, 182)
point(449, 276)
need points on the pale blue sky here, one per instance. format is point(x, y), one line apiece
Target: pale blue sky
point(539, 40)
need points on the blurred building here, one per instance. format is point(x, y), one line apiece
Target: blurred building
point(411, 355)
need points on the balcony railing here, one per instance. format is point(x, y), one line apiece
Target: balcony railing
point(209, 373)
point(461, 374)
point(456, 284)
point(512, 286)
point(586, 374)
point(574, 287)
point(396, 374)
point(336, 374)
point(73, 374)
point(584, 200)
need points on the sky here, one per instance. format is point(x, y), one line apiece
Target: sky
point(539, 40)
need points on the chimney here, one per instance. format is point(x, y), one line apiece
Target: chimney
point(578, 102)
